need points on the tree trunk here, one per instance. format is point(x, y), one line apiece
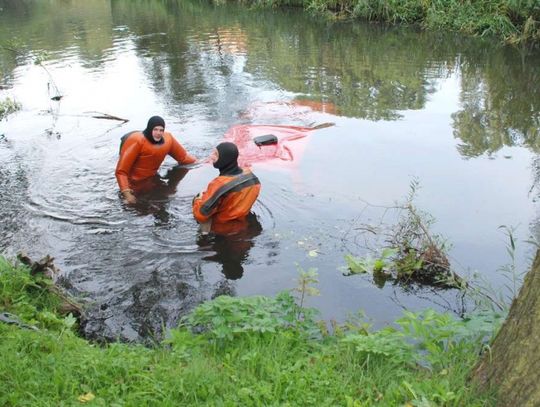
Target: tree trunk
point(512, 368)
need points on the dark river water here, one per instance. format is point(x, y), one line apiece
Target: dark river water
point(460, 116)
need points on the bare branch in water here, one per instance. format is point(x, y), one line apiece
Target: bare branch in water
point(106, 116)
point(323, 126)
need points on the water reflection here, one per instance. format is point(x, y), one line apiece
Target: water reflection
point(158, 302)
point(231, 244)
point(14, 186)
point(361, 71)
point(153, 194)
point(500, 104)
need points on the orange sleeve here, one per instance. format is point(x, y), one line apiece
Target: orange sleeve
point(180, 154)
point(213, 186)
point(128, 155)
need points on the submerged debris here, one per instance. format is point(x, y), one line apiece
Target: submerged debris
point(46, 268)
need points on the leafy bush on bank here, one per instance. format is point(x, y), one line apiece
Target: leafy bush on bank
point(237, 351)
point(512, 20)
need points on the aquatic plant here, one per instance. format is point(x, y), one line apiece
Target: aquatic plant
point(39, 60)
point(306, 284)
point(368, 264)
point(8, 106)
point(410, 252)
point(421, 255)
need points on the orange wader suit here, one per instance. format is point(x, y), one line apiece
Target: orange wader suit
point(227, 198)
point(140, 159)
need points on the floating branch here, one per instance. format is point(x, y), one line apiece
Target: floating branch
point(106, 116)
point(323, 126)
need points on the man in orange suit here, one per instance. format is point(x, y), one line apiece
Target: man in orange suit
point(141, 154)
point(230, 196)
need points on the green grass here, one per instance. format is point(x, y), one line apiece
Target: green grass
point(251, 351)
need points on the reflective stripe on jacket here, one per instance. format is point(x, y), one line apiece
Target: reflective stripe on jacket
point(140, 159)
point(227, 198)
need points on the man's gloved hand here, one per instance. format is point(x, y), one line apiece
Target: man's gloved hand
point(129, 197)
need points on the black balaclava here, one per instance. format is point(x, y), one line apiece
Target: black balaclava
point(227, 163)
point(153, 122)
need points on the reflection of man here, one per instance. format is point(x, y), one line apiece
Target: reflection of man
point(232, 247)
point(153, 193)
point(157, 186)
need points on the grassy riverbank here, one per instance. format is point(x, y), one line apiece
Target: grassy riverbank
point(514, 21)
point(249, 351)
